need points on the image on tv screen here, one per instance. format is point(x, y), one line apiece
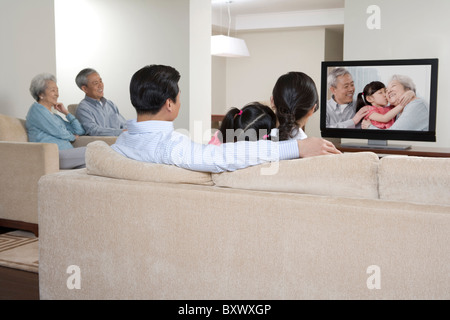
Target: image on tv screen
point(379, 97)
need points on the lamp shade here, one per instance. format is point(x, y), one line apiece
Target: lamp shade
point(225, 46)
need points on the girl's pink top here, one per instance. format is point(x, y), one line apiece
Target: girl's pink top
point(214, 140)
point(380, 110)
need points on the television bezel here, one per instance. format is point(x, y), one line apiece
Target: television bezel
point(405, 135)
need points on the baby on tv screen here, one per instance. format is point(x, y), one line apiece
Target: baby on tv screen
point(379, 99)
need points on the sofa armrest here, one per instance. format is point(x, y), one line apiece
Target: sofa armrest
point(22, 164)
point(83, 141)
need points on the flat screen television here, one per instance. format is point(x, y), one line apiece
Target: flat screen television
point(415, 122)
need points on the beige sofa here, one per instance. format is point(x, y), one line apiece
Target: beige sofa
point(349, 226)
point(22, 163)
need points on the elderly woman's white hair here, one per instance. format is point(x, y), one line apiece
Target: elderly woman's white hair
point(405, 81)
point(39, 84)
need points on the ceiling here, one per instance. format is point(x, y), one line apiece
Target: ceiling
point(241, 7)
point(254, 15)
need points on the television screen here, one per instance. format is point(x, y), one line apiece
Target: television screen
point(379, 100)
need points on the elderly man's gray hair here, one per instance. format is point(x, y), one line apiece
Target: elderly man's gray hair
point(39, 84)
point(405, 81)
point(334, 74)
point(82, 77)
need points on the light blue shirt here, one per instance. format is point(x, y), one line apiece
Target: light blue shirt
point(44, 126)
point(340, 116)
point(100, 118)
point(158, 142)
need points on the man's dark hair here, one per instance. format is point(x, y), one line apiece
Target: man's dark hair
point(151, 86)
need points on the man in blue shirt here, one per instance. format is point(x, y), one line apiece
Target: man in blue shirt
point(151, 137)
point(341, 108)
point(98, 116)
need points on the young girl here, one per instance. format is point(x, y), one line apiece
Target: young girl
point(253, 122)
point(295, 99)
point(380, 114)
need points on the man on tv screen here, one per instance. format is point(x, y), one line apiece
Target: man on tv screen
point(341, 108)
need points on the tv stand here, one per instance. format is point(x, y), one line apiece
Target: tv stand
point(412, 151)
point(376, 144)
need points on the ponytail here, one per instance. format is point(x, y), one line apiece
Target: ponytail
point(360, 101)
point(294, 95)
point(228, 123)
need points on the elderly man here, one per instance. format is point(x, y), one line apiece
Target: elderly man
point(99, 116)
point(341, 107)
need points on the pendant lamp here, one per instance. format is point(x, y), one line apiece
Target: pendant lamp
point(226, 46)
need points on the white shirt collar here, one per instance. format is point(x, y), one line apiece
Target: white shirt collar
point(135, 127)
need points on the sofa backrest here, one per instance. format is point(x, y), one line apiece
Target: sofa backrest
point(415, 179)
point(348, 175)
point(102, 160)
point(351, 175)
point(72, 108)
point(12, 129)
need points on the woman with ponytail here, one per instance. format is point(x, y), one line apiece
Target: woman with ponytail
point(294, 99)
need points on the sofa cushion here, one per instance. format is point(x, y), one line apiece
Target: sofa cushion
point(347, 175)
point(12, 129)
point(102, 160)
point(415, 179)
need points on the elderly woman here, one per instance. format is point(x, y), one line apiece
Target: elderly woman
point(415, 115)
point(45, 126)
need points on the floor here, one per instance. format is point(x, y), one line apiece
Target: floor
point(17, 284)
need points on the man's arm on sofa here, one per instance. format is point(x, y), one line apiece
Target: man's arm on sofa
point(314, 146)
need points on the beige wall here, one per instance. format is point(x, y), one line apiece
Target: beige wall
point(334, 44)
point(219, 85)
point(272, 54)
point(27, 36)
point(410, 29)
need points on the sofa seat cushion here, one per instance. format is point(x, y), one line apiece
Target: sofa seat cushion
point(346, 175)
point(102, 160)
point(415, 179)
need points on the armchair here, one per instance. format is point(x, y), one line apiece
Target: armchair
point(22, 164)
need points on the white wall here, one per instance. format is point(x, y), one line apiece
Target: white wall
point(410, 29)
point(117, 38)
point(27, 37)
point(200, 70)
point(272, 54)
